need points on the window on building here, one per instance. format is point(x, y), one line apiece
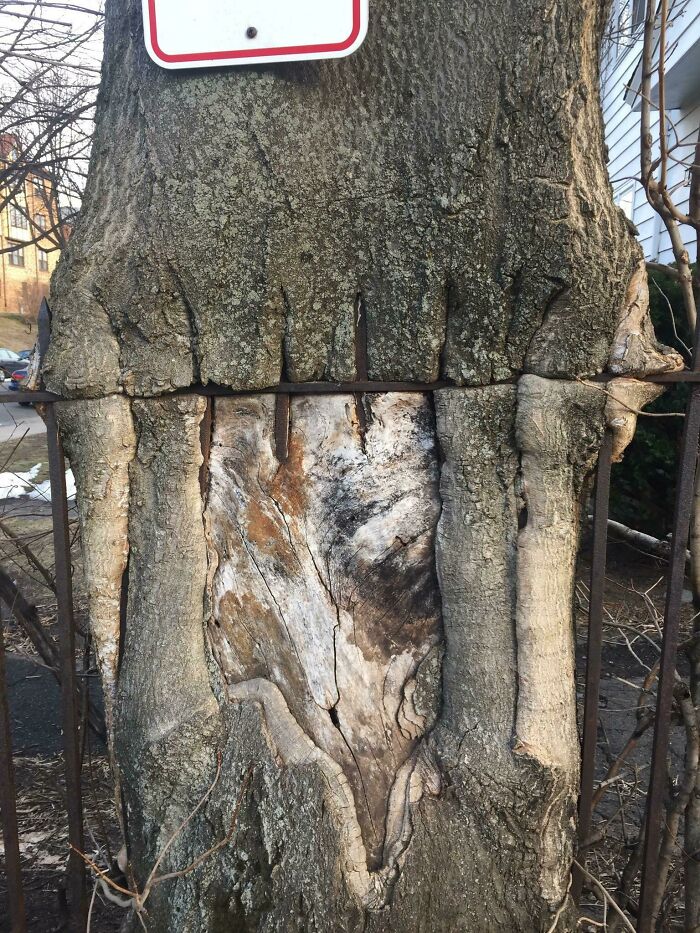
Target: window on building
point(624, 17)
point(624, 198)
point(43, 260)
point(16, 256)
point(639, 12)
point(18, 219)
point(40, 221)
point(625, 24)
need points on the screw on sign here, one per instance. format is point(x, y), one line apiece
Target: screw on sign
point(182, 34)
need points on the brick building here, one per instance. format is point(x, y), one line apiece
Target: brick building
point(30, 237)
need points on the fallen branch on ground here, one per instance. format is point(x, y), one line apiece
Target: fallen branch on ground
point(655, 547)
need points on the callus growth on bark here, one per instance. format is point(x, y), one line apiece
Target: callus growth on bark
point(379, 621)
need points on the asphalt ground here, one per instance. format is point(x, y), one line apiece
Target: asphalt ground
point(16, 419)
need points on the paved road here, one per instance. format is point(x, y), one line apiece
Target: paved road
point(16, 419)
point(35, 707)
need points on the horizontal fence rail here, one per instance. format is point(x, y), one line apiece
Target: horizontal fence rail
point(341, 388)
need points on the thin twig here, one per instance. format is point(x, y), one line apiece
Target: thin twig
point(635, 411)
point(606, 896)
point(137, 899)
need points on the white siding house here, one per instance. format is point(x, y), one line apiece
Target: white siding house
point(621, 70)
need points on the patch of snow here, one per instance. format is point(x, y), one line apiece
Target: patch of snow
point(16, 485)
point(13, 485)
point(43, 490)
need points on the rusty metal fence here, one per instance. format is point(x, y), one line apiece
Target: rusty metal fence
point(653, 822)
point(76, 881)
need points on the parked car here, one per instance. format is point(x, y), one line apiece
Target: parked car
point(17, 380)
point(24, 354)
point(10, 361)
point(18, 377)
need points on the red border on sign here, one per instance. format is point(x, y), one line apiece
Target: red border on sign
point(257, 52)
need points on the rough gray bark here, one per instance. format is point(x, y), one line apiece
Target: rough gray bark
point(449, 175)
point(381, 624)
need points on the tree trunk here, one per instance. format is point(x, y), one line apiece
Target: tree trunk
point(379, 621)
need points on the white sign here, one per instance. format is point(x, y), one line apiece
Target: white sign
point(206, 33)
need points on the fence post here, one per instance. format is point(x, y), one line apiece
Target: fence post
point(10, 835)
point(71, 728)
point(594, 647)
point(669, 647)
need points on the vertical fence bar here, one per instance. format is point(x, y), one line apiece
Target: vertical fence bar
point(205, 431)
point(669, 647)
point(71, 728)
point(283, 409)
point(594, 647)
point(10, 834)
point(44, 329)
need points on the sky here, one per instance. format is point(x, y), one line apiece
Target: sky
point(36, 94)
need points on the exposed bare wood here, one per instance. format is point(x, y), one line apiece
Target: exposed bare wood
point(101, 470)
point(635, 350)
point(325, 599)
point(625, 400)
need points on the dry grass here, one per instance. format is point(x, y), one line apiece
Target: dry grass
point(16, 333)
point(44, 836)
point(633, 617)
point(18, 456)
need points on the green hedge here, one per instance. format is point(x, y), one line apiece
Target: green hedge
point(643, 485)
